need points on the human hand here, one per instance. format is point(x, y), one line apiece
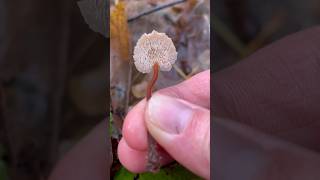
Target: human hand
point(89, 158)
point(178, 118)
point(269, 109)
point(275, 92)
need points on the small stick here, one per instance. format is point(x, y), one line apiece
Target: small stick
point(153, 164)
point(155, 10)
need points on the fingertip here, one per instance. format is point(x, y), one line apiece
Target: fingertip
point(135, 161)
point(131, 159)
point(134, 130)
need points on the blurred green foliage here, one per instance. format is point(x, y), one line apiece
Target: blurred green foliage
point(3, 167)
point(110, 124)
point(174, 172)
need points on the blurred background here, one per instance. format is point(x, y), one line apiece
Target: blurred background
point(53, 84)
point(53, 66)
point(243, 26)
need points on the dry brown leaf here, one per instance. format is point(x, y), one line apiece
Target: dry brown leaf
point(190, 5)
point(119, 31)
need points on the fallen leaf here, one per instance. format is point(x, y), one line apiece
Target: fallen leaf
point(120, 61)
point(120, 36)
point(95, 13)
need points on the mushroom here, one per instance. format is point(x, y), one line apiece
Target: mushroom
point(154, 51)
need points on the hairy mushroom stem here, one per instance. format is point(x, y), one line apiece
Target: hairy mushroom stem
point(153, 80)
point(153, 164)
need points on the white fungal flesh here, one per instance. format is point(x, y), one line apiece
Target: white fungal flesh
point(154, 48)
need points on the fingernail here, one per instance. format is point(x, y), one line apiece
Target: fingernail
point(169, 114)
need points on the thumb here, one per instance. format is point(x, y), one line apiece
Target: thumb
point(183, 130)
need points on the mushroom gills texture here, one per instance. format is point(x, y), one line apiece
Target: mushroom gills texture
point(154, 48)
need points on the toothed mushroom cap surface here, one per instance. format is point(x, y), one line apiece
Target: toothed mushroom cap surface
point(154, 48)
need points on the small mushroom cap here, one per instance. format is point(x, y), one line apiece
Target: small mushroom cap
point(154, 48)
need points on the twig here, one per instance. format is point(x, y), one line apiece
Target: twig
point(228, 36)
point(193, 72)
point(269, 29)
point(180, 72)
point(129, 86)
point(155, 10)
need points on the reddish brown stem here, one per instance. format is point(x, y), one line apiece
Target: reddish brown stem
point(153, 164)
point(153, 80)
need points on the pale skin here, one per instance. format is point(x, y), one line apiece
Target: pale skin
point(88, 158)
point(132, 148)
